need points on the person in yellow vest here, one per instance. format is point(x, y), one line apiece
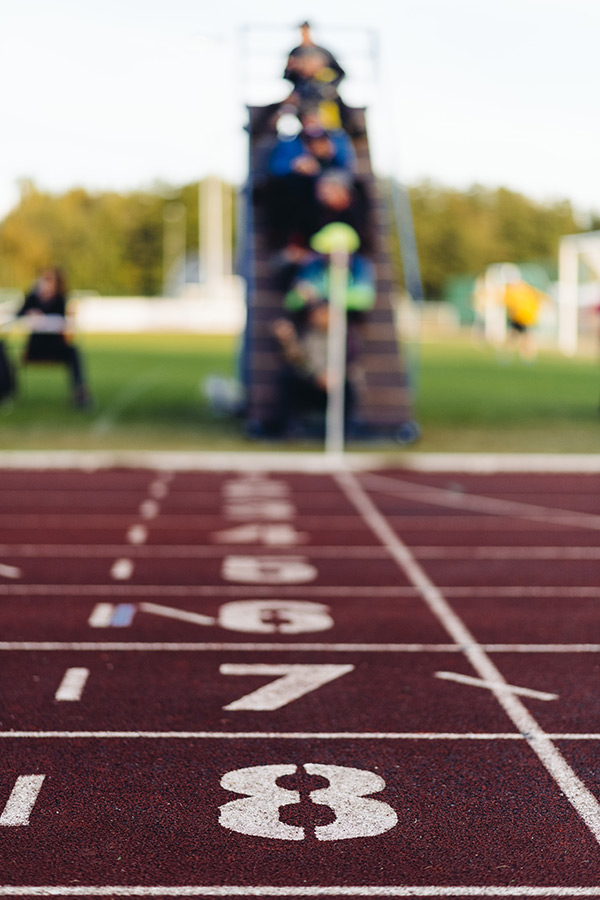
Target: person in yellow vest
point(522, 302)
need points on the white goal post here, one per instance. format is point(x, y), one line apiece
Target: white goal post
point(574, 249)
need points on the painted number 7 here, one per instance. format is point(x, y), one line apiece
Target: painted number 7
point(295, 681)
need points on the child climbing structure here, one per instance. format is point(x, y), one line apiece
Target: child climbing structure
point(300, 181)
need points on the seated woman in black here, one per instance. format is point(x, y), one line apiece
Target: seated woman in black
point(46, 307)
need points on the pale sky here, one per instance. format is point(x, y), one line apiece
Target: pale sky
point(115, 94)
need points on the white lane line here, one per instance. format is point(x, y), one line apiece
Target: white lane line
point(525, 553)
point(9, 571)
point(216, 590)
point(582, 800)
point(180, 551)
point(294, 735)
point(265, 735)
point(201, 646)
point(122, 569)
point(234, 890)
point(137, 534)
point(219, 646)
point(566, 592)
point(19, 805)
point(72, 685)
point(478, 503)
point(478, 682)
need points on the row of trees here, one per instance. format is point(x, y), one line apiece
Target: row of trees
point(113, 242)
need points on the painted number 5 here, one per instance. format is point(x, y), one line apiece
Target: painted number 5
point(257, 814)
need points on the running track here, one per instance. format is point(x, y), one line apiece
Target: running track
point(275, 684)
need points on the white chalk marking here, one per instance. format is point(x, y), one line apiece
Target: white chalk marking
point(137, 534)
point(582, 800)
point(122, 569)
point(149, 509)
point(293, 681)
point(10, 571)
point(72, 686)
point(19, 805)
point(503, 686)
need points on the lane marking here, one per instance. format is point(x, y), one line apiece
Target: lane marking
point(295, 680)
point(72, 685)
point(269, 735)
point(137, 534)
point(201, 646)
point(277, 539)
point(158, 489)
point(581, 799)
point(19, 805)
point(10, 571)
point(181, 551)
point(520, 553)
point(178, 590)
point(566, 592)
point(490, 685)
point(244, 463)
point(297, 735)
point(479, 503)
point(297, 891)
point(149, 509)
point(111, 615)
point(181, 615)
point(251, 569)
point(122, 569)
point(276, 534)
point(293, 891)
point(101, 616)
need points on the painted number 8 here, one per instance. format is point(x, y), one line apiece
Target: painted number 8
point(257, 814)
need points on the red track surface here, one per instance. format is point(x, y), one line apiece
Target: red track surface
point(218, 684)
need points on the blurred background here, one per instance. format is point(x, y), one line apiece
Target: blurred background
point(124, 152)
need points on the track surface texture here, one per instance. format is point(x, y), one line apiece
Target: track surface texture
point(229, 684)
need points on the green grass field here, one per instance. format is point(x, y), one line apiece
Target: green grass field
point(148, 392)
